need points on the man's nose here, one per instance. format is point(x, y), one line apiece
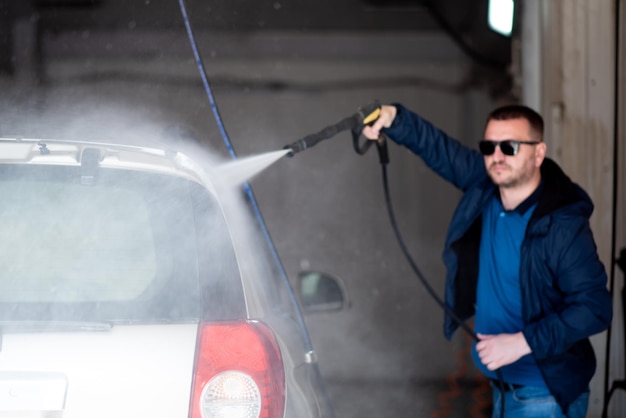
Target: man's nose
point(498, 155)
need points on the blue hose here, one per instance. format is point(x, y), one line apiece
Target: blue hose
point(231, 151)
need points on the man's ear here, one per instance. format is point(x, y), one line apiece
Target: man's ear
point(540, 153)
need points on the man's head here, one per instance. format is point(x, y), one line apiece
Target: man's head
point(513, 146)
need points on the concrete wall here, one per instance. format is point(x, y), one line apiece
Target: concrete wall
point(570, 65)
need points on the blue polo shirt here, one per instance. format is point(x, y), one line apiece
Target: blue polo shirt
point(498, 296)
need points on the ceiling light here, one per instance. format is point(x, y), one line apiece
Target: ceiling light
point(501, 16)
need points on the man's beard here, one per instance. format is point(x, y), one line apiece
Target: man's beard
point(514, 179)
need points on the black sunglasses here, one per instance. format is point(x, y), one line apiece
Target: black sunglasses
point(508, 147)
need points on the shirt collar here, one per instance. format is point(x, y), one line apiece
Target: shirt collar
point(529, 202)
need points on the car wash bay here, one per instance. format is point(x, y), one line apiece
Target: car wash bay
point(125, 70)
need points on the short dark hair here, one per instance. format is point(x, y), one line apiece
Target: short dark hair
point(517, 111)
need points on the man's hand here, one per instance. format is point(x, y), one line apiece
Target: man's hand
point(500, 350)
point(387, 115)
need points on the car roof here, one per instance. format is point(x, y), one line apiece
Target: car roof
point(71, 153)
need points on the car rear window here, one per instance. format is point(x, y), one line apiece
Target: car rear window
point(132, 246)
point(65, 242)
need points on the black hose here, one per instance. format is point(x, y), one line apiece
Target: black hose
point(616, 125)
point(384, 160)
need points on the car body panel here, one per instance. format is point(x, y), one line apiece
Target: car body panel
point(129, 371)
point(126, 346)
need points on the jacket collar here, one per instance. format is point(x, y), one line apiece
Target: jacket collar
point(559, 191)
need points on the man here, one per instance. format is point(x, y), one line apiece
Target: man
point(520, 256)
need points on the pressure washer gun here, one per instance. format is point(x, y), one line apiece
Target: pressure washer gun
point(366, 115)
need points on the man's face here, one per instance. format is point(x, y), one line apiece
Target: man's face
point(511, 171)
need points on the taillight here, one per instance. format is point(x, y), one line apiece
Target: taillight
point(238, 372)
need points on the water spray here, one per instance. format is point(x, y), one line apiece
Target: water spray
point(237, 172)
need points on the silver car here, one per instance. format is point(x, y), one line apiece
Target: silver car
point(133, 285)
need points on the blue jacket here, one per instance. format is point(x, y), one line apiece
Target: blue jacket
point(563, 283)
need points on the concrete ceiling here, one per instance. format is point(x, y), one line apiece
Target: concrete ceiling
point(372, 15)
point(463, 20)
point(245, 14)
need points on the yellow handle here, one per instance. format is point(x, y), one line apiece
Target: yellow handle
point(372, 116)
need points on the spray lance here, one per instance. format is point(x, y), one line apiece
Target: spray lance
point(367, 115)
